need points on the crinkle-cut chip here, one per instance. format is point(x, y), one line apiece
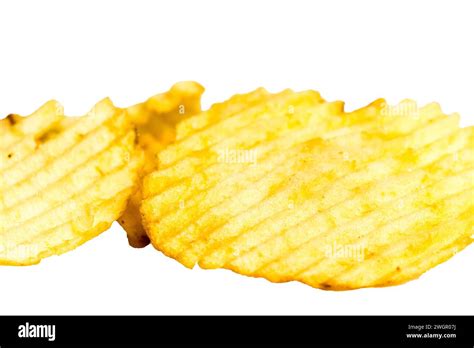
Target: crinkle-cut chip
point(156, 121)
point(220, 111)
point(211, 146)
point(261, 114)
point(294, 188)
point(63, 180)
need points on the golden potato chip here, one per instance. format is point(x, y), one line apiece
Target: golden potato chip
point(293, 188)
point(63, 180)
point(156, 121)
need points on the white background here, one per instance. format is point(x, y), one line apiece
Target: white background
point(81, 51)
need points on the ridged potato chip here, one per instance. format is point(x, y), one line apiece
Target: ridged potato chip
point(156, 121)
point(290, 187)
point(63, 180)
